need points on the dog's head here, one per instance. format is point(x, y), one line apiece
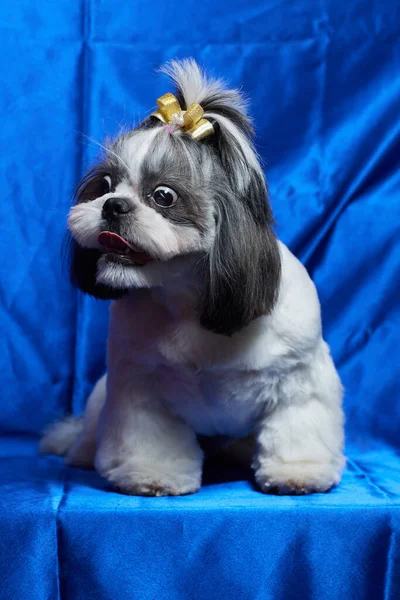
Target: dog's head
point(164, 195)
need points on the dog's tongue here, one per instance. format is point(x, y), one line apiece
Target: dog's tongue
point(112, 241)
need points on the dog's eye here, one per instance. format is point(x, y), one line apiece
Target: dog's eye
point(107, 183)
point(95, 188)
point(164, 196)
point(102, 186)
point(98, 187)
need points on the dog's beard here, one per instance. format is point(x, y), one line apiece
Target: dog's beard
point(175, 272)
point(120, 276)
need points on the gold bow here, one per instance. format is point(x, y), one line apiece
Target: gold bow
point(190, 120)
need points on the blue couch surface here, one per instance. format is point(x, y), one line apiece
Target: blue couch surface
point(323, 78)
point(66, 534)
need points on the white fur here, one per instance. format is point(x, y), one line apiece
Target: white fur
point(60, 436)
point(84, 222)
point(135, 149)
point(169, 379)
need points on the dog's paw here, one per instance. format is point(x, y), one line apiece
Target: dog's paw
point(297, 478)
point(155, 488)
point(137, 480)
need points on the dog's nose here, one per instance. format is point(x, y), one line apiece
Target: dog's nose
point(115, 207)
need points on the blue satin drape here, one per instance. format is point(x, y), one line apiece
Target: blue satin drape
point(324, 81)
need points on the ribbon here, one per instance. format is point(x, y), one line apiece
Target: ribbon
point(191, 120)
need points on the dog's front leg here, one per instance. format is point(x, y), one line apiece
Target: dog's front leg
point(143, 449)
point(300, 444)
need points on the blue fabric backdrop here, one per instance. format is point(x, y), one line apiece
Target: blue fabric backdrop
point(324, 78)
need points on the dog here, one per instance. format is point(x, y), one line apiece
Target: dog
point(215, 327)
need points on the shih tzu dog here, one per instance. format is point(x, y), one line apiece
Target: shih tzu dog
point(215, 326)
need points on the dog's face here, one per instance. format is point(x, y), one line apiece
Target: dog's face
point(161, 197)
point(149, 202)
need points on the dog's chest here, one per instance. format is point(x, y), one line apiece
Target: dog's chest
point(213, 402)
point(211, 381)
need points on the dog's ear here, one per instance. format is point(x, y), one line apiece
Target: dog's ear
point(242, 271)
point(244, 266)
point(83, 271)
